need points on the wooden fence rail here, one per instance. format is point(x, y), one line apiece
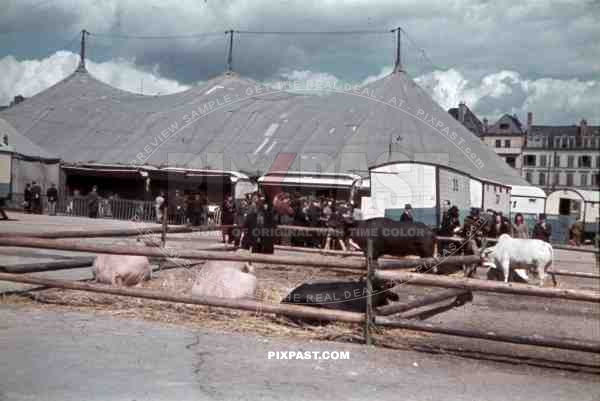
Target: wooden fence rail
point(487, 285)
point(305, 260)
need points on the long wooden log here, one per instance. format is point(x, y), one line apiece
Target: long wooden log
point(331, 252)
point(537, 340)
point(560, 272)
point(243, 304)
point(306, 312)
point(79, 246)
point(313, 261)
point(48, 266)
point(421, 301)
point(216, 247)
point(423, 314)
point(575, 249)
point(121, 232)
point(430, 263)
point(487, 285)
point(328, 252)
point(554, 246)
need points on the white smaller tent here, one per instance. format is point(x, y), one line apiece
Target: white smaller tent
point(576, 203)
point(29, 162)
point(527, 200)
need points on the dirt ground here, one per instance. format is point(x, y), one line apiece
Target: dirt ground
point(491, 312)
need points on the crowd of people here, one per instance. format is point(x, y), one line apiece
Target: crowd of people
point(310, 211)
point(33, 200)
point(184, 208)
point(495, 225)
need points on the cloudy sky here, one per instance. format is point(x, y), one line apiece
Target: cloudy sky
point(500, 56)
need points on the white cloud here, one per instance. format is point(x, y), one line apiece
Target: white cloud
point(306, 79)
point(28, 77)
point(553, 101)
point(307, 75)
point(372, 78)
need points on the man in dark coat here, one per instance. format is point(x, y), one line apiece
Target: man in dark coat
point(27, 198)
point(407, 215)
point(93, 202)
point(196, 209)
point(314, 221)
point(36, 195)
point(450, 221)
point(259, 227)
point(500, 226)
point(52, 196)
point(542, 230)
point(474, 227)
point(228, 218)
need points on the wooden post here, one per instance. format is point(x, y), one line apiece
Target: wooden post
point(163, 235)
point(369, 283)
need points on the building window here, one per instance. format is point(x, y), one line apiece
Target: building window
point(583, 180)
point(598, 162)
point(570, 161)
point(529, 160)
point(498, 143)
point(557, 142)
point(511, 161)
point(585, 161)
point(596, 179)
point(528, 176)
point(556, 161)
point(556, 180)
point(503, 126)
point(571, 142)
point(542, 179)
point(565, 144)
point(507, 143)
point(543, 161)
point(455, 184)
point(569, 179)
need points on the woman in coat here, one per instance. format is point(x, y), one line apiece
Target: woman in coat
point(519, 228)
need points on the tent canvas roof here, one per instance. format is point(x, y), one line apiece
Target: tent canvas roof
point(86, 121)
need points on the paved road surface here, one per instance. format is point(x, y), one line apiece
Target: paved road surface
point(74, 356)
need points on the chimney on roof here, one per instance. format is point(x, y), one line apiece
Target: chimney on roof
point(583, 127)
point(529, 121)
point(5, 139)
point(462, 111)
point(485, 125)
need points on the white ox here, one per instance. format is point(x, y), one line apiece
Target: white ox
point(225, 279)
point(521, 255)
point(121, 269)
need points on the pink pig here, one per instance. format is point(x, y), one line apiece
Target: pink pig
point(121, 270)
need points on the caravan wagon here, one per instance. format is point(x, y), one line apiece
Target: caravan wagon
point(571, 205)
